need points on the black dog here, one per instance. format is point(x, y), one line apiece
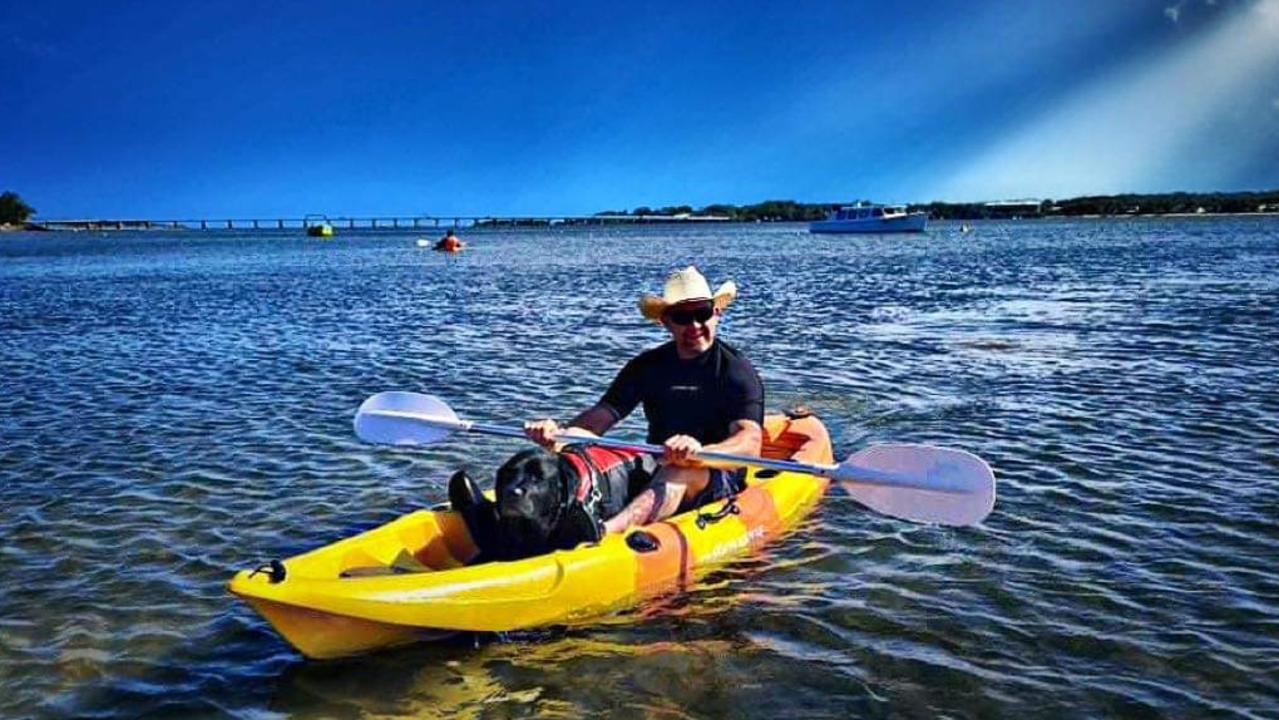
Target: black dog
point(549, 502)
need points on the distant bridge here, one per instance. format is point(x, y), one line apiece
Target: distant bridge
point(372, 223)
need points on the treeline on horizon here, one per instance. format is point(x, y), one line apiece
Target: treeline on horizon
point(1107, 205)
point(14, 211)
point(767, 211)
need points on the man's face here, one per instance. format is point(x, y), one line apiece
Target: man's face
point(692, 325)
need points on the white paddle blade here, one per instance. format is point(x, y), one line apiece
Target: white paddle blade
point(404, 418)
point(920, 483)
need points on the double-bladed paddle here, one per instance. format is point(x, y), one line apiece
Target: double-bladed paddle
point(912, 482)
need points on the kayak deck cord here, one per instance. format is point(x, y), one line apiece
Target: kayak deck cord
point(730, 508)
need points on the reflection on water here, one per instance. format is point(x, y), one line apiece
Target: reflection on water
point(177, 407)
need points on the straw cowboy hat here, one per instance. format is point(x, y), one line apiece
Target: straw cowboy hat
point(683, 286)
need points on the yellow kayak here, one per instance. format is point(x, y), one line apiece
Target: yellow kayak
point(408, 580)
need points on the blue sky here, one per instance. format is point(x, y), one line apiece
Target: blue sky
point(236, 109)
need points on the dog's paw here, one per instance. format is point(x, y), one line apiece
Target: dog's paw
point(478, 512)
point(464, 494)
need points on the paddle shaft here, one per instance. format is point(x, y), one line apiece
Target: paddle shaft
point(838, 472)
point(503, 431)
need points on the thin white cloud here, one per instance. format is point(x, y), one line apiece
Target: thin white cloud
point(1173, 12)
point(1144, 126)
point(1268, 11)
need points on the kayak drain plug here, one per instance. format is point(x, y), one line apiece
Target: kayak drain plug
point(273, 570)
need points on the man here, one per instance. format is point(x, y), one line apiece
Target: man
point(449, 243)
point(698, 392)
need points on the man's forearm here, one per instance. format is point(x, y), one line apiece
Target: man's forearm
point(745, 441)
point(595, 419)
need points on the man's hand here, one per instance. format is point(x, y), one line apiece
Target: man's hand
point(551, 436)
point(542, 432)
point(681, 450)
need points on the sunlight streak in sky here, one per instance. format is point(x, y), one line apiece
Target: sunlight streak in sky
point(1145, 123)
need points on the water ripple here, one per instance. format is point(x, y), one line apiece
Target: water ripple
point(178, 407)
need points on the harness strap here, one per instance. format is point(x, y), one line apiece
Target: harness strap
point(592, 465)
point(581, 469)
point(589, 480)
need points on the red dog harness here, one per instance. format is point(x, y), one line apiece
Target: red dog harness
point(604, 476)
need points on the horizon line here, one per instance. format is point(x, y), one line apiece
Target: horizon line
point(304, 217)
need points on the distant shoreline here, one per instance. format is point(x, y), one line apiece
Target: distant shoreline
point(1266, 213)
point(110, 227)
point(1164, 205)
point(24, 227)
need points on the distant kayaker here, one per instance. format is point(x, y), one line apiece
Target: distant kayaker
point(449, 243)
point(698, 392)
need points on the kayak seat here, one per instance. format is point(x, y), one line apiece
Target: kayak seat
point(403, 564)
point(798, 435)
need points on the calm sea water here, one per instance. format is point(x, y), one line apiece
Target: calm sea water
point(178, 406)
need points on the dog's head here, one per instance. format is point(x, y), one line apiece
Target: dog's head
point(530, 498)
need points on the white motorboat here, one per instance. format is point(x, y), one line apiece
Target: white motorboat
point(871, 219)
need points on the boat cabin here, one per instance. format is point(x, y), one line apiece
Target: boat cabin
point(869, 212)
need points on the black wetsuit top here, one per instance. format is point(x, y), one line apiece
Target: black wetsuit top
point(700, 397)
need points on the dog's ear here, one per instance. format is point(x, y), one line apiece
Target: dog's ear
point(463, 492)
point(576, 527)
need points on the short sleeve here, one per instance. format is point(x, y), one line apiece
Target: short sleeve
point(744, 393)
point(624, 394)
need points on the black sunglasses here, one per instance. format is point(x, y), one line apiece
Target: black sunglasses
point(686, 317)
